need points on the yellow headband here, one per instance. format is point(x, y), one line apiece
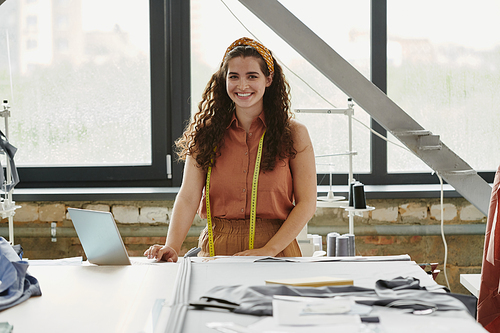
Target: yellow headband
point(263, 51)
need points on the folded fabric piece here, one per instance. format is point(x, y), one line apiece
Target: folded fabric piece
point(402, 287)
point(17, 285)
point(19, 250)
point(384, 287)
point(403, 293)
point(258, 300)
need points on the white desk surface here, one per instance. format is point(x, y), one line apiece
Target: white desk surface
point(121, 298)
point(204, 276)
point(208, 275)
point(472, 282)
point(92, 298)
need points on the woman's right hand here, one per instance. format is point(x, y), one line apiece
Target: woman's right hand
point(161, 253)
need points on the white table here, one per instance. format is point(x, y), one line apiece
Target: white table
point(204, 276)
point(472, 282)
point(126, 298)
point(92, 298)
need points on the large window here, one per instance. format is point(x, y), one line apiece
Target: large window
point(99, 90)
point(444, 71)
point(85, 106)
point(438, 91)
point(86, 101)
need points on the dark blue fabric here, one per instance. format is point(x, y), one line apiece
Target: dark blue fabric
point(17, 285)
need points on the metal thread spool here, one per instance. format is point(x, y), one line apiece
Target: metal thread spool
point(351, 244)
point(342, 248)
point(331, 244)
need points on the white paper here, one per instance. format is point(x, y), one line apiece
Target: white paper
point(312, 312)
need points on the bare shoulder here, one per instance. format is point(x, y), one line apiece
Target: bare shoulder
point(297, 125)
point(300, 135)
point(192, 167)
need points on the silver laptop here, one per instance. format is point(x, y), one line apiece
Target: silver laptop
point(99, 236)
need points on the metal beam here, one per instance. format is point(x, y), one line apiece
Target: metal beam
point(388, 114)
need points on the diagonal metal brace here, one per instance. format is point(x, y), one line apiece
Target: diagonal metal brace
point(395, 120)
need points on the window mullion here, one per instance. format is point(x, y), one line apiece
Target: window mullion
point(378, 68)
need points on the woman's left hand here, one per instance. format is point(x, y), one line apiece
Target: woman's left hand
point(262, 252)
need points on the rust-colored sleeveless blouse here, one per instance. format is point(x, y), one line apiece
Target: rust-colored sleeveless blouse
point(231, 178)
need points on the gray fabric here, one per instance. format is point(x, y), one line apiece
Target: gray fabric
point(403, 293)
point(257, 300)
point(17, 284)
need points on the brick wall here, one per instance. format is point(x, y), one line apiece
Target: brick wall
point(143, 223)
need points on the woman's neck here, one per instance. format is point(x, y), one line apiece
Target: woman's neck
point(246, 117)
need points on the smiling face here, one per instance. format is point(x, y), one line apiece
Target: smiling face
point(246, 84)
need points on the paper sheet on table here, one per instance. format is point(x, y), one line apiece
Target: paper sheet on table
point(298, 311)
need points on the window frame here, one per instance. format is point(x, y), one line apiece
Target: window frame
point(170, 84)
point(170, 111)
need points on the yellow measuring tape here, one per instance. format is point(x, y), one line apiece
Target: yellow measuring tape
point(253, 207)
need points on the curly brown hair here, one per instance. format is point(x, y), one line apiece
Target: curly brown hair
point(215, 111)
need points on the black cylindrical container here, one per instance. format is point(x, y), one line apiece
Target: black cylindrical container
point(359, 196)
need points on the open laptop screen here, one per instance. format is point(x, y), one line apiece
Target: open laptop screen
point(99, 236)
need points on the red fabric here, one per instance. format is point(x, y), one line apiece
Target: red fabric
point(488, 306)
point(493, 326)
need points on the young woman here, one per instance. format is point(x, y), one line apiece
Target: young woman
point(249, 167)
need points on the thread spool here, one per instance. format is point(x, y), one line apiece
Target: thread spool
point(351, 194)
point(331, 244)
point(351, 245)
point(342, 248)
point(359, 196)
